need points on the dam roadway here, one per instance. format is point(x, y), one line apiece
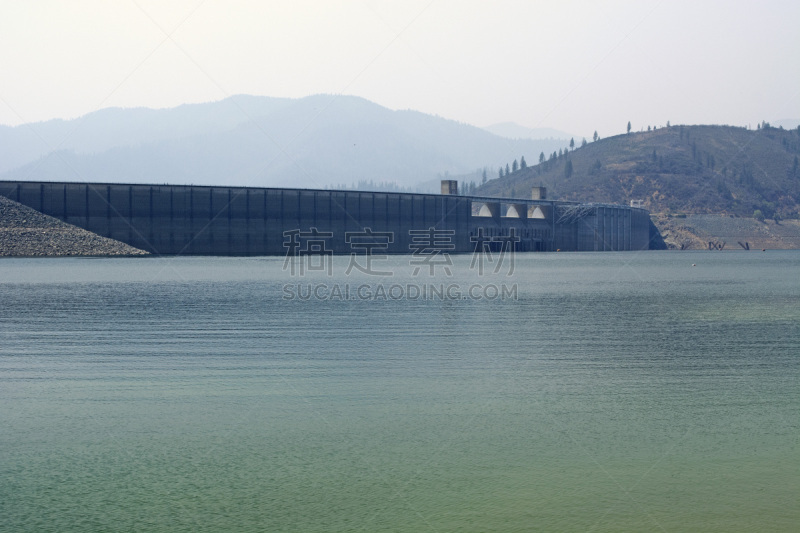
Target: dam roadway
point(239, 221)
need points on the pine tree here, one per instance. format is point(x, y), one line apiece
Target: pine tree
point(595, 137)
point(508, 170)
point(583, 142)
point(572, 144)
point(568, 169)
point(541, 158)
point(515, 166)
point(629, 126)
point(522, 163)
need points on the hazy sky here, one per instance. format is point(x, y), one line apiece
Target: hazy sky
point(578, 66)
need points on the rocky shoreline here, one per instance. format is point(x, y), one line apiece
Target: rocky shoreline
point(25, 232)
point(700, 232)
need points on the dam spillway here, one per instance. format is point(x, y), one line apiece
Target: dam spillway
point(239, 221)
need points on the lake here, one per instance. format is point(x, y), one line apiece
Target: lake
point(631, 391)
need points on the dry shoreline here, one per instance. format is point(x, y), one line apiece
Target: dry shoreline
point(699, 232)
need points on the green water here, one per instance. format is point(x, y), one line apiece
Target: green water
point(614, 392)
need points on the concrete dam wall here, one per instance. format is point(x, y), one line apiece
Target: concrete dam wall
point(201, 220)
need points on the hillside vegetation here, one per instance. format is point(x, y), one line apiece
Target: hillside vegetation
point(674, 170)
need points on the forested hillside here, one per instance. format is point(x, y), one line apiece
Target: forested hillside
point(677, 169)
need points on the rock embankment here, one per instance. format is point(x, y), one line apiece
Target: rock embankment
point(26, 232)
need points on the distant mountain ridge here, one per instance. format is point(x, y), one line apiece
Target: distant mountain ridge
point(317, 141)
point(114, 127)
point(512, 130)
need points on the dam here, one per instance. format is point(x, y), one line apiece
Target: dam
point(242, 221)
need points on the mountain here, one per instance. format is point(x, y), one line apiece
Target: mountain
point(679, 169)
point(115, 127)
point(317, 141)
point(512, 130)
